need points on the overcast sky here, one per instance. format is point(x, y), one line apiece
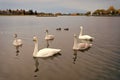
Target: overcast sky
point(59, 5)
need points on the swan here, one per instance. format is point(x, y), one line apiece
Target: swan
point(84, 37)
point(80, 46)
point(49, 37)
point(17, 42)
point(45, 52)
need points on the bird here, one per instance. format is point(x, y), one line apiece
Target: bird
point(45, 52)
point(80, 46)
point(59, 29)
point(66, 29)
point(84, 37)
point(17, 42)
point(49, 37)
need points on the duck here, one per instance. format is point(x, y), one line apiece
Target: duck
point(48, 36)
point(80, 46)
point(45, 52)
point(66, 29)
point(17, 42)
point(59, 29)
point(84, 37)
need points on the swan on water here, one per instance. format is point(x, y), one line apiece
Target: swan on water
point(84, 37)
point(48, 36)
point(17, 42)
point(80, 46)
point(45, 52)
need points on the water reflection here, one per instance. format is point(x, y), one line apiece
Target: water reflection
point(48, 43)
point(37, 62)
point(100, 62)
point(17, 50)
point(75, 54)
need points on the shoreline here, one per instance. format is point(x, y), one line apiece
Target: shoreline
point(59, 15)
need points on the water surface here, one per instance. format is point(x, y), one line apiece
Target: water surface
point(100, 62)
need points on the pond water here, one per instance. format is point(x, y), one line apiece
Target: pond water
point(100, 62)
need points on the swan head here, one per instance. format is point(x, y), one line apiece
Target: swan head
point(47, 30)
point(75, 35)
point(81, 27)
point(35, 39)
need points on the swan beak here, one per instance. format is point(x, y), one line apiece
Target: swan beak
point(81, 27)
point(33, 40)
point(15, 35)
point(46, 30)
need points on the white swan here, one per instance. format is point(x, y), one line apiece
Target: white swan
point(49, 37)
point(80, 46)
point(45, 52)
point(17, 42)
point(84, 37)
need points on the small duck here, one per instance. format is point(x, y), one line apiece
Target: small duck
point(66, 29)
point(59, 29)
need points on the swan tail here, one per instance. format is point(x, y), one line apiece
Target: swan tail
point(57, 50)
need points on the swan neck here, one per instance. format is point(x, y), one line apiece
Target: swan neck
point(36, 48)
point(75, 42)
point(15, 38)
point(46, 33)
point(81, 31)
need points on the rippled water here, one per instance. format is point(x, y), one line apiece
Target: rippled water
point(100, 62)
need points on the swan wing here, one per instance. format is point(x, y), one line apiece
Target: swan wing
point(49, 37)
point(47, 52)
point(84, 46)
point(81, 45)
point(85, 37)
point(17, 42)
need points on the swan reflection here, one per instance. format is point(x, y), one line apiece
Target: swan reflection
point(17, 50)
point(46, 58)
point(75, 54)
point(48, 43)
point(36, 64)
